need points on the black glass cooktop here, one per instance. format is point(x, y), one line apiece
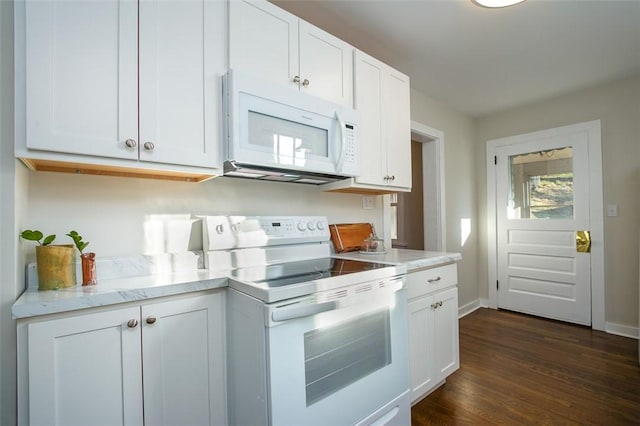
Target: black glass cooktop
point(283, 274)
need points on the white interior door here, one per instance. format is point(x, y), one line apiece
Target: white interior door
point(542, 200)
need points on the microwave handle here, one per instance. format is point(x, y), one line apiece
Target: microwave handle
point(343, 142)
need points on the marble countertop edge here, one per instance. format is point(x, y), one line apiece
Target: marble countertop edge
point(114, 291)
point(117, 290)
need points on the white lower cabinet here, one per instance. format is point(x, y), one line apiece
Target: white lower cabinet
point(156, 364)
point(433, 328)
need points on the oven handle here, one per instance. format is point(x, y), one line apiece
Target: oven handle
point(302, 311)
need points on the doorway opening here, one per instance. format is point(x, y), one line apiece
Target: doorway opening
point(417, 218)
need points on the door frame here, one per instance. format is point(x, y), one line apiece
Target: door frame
point(433, 188)
point(432, 185)
point(596, 214)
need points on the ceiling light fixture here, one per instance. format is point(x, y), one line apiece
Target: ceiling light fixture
point(496, 3)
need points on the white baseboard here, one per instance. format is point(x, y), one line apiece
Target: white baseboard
point(472, 306)
point(622, 330)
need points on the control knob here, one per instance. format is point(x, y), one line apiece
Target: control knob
point(320, 226)
point(311, 226)
point(301, 226)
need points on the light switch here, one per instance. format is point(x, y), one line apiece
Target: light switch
point(612, 210)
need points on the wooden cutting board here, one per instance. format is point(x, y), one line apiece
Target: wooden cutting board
point(349, 236)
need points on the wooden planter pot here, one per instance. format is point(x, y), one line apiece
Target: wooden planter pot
point(56, 266)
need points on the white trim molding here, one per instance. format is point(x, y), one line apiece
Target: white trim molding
point(593, 129)
point(470, 307)
point(622, 330)
point(437, 137)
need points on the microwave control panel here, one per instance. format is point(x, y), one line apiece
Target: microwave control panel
point(350, 149)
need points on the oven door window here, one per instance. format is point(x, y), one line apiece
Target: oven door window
point(340, 355)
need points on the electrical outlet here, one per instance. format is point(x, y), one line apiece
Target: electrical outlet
point(367, 202)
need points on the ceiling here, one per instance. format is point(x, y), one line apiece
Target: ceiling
point(479, 61)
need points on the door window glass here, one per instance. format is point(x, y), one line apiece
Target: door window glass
point(541, 185)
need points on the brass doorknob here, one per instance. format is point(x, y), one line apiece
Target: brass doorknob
point(583, 241)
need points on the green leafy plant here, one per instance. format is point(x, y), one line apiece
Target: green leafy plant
point(77, 239)
point(35, 235)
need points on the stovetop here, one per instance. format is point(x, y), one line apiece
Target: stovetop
point(287, 280)
point(303, 270)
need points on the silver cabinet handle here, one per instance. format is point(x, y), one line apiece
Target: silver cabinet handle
point(434, 305)
point(148, 146)
point(434, 280)
point(305, 82)
point(130, 143)
point(151, 319)
point(296, 79)
point(132, 323)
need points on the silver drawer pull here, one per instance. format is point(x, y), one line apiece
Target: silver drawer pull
point(434, 280)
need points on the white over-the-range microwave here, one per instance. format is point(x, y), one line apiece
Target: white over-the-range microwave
point(274, 132)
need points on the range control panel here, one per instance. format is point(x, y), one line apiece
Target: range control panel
point(228, 232)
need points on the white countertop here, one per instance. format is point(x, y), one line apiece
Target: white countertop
point(114, 290)
point(414, 259)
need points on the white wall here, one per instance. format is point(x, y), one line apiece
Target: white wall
point(617, 104)
point(460, 196)
point(109, 212)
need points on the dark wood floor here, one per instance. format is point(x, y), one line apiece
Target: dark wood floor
point(521, 370)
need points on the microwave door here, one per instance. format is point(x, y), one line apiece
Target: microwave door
point(275, 134)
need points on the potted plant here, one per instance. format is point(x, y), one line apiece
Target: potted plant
point(56, 263)
point(88, 260)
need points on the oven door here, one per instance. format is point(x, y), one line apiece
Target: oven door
point(338, 357)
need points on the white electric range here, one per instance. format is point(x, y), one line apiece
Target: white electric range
point(312, 339)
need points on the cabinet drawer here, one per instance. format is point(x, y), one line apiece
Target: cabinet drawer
point(429, 280)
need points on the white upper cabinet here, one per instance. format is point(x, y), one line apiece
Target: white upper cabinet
point(397, 134)
point(382, 99)
point(273, 44)
point(182, 45)
point(120, 80)
point(81, 77)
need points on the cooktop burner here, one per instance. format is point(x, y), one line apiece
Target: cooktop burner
point(283, 274)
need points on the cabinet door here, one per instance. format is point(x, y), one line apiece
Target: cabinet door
point(263, 40)
point(183, 358)
point(397, 120)
point(447, 358)
point(421, 348)
point(182, 59)
point(84, 368)
point(81, 84)
point(369, 74)
point(326, 65)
